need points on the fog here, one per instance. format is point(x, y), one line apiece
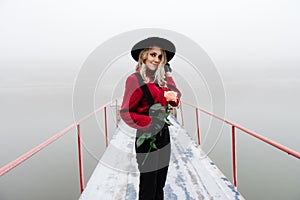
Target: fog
point(254, 46)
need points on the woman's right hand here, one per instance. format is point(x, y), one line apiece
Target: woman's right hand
point(156, 125)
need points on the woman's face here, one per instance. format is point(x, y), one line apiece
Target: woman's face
point(154, 58)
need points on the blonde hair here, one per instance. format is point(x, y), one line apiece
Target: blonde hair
point(159, 75)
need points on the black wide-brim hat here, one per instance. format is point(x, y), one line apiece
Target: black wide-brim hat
point(164, 44)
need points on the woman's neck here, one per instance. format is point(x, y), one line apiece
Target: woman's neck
point(150, 73)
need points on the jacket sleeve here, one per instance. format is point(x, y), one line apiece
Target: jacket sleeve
point(132, 96)
point(172, 86)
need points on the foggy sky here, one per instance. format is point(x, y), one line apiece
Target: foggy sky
point(41, 40)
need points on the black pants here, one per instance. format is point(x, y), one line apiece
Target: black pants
point(153, 173)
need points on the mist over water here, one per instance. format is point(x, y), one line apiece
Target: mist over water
point(266, 103)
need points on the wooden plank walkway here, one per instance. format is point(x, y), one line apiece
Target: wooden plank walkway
point(191, 175)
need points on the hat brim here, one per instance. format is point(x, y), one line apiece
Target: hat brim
point(164, 44)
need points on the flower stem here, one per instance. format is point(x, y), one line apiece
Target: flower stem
point(147, 155)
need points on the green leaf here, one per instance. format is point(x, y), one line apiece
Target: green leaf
point(156, 106)
point(142, 139)
point(152, 144)
point(147, 135)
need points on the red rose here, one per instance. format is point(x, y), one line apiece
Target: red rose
point(170, 95)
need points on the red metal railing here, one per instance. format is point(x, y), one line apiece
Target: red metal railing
point(198, 127)
point(33, 151)
point(81, 179)
point(233, 126)
point(5, 169)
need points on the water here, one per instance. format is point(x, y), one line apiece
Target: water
point(267, 104)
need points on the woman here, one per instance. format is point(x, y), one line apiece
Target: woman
point(148, 92)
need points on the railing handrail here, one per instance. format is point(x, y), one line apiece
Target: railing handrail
point(6, 168)
point(24, 157)
point(252, 133)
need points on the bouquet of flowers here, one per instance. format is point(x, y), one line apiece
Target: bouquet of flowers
point(159, 116)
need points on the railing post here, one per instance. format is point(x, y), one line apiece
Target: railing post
point(198, 127)
point(117, 113)
point(181, 113)
point(80, 160)
point(233, 157)
point(105, 124)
